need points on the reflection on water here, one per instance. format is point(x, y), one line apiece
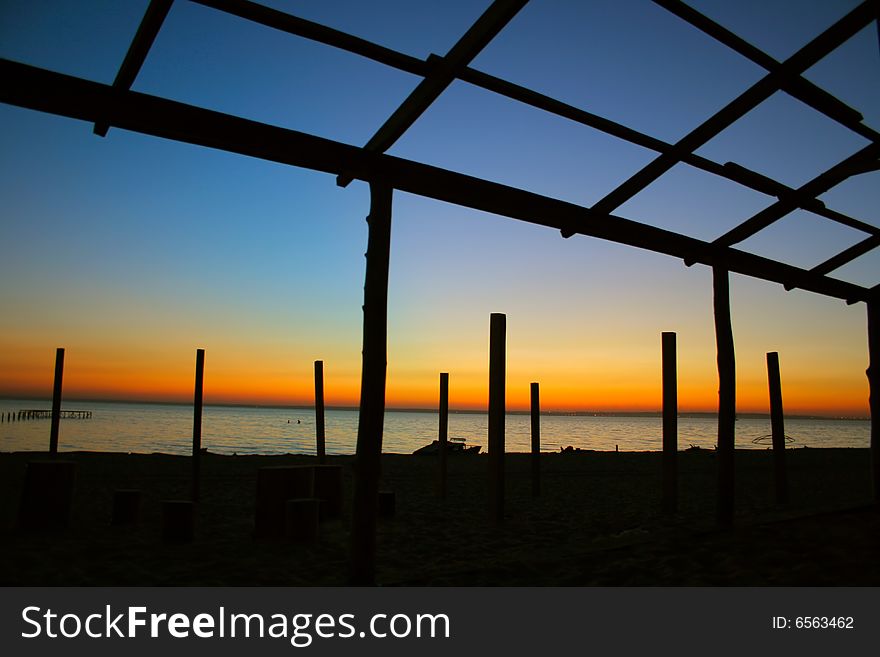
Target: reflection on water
point(148, 428)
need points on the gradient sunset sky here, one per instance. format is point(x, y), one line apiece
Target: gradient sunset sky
point(132, 251)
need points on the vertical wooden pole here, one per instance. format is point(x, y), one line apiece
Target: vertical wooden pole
point(197, 423)
point(443, 430)
point(536, 439)
point(319, 411)
point(874, 388)
point(670, 423)
point(372, 406)
point(777, 427)
point(726, 394)
point(56, 401)
point(497, 366)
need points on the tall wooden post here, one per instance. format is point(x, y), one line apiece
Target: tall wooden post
point(497, 366)
point(443, 430)
point(726, 394)
point(197, 423)
point(372, 406)
point(874, 388)
point(670, 423)
point(56, 401)
point(777, 427)
point(536, 439)
point(319, 411)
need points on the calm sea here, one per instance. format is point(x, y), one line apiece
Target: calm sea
point(128, 427)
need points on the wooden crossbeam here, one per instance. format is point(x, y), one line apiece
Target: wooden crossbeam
point(140, 46)
point(847, 256)
point(794, 85)
point(810, 190)
point(306, 29)
point(803, 59)
point(47, 91)
point(294, 25)
point(443, 72)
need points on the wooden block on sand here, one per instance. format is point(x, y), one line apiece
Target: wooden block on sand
point(302, 518)
point(47, 495)
point(276, 485)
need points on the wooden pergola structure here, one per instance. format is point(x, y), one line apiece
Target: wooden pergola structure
point(119, 107)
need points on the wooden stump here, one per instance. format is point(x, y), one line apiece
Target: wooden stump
point(276, 485)
point(178, 520)
point(126, 507)
point(302, 516)
point(47, 495)
point(327, 487)
point(387, 504)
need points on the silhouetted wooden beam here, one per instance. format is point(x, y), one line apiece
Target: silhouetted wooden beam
point(762, 183)
point(818, 185)
point(197, 424)
point(497, 410)
point(848, 255)
point(670, 423)
point(320, 447)
point(794, 85)
point(739, 107)
point(290, 24)
point(56, 93)
point(536, 438)
point(56, 401)
point(726, 394)
point(150, 25)
point(316, 32)
point(777, 427)
point(372, 404)
point(873, 373)
point(441, 75)
point(443, 430)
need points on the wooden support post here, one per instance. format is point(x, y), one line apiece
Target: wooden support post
point(56, 401)
point(319, 411)
point(497, 366)
point(874, 388)
point(372, 406)
point(536, 439)
point(777, 427)
point(443, 431)
point(197, 424)
point(670, 423)
point(726, 395)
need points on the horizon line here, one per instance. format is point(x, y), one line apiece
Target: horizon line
point(477, 411)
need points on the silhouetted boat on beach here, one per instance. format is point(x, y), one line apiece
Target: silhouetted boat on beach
point(453, 446)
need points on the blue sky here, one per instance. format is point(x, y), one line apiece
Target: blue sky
point(134, 250)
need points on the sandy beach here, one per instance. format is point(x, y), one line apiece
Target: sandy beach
point(596, 522)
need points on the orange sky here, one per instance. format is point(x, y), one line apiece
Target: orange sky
point(588, 368)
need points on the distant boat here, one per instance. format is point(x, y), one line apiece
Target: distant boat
point(453, 446)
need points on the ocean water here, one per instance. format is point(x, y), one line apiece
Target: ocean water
point(146, 428)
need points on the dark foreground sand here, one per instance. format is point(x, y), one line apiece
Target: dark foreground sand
point(597, 522)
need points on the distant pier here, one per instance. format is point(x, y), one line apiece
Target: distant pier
point(45, 414)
